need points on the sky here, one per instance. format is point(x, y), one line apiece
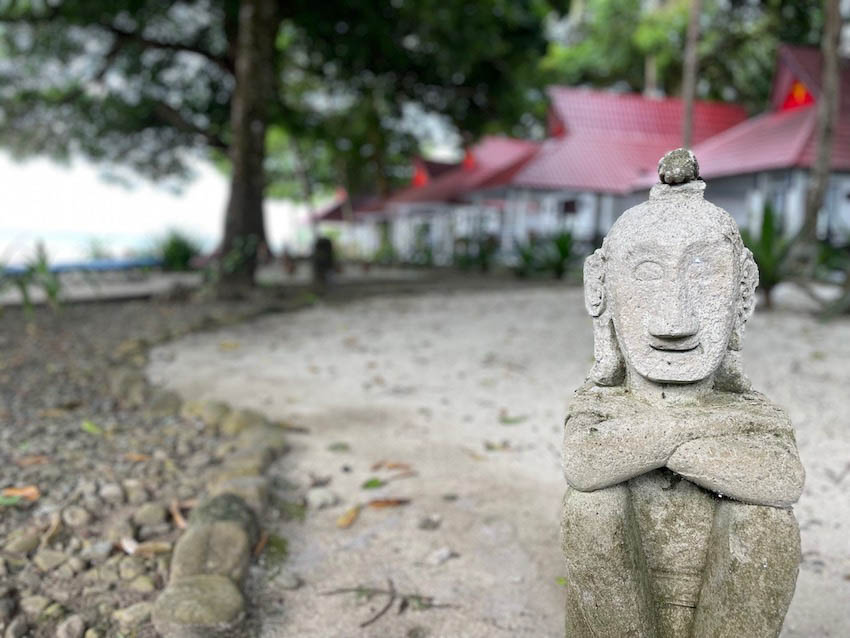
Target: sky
point(69, 207)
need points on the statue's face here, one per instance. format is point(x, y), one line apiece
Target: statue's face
point(674, 296)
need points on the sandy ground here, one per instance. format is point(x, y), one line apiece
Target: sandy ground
point(470, 390)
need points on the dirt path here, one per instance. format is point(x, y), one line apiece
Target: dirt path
point(470, 392)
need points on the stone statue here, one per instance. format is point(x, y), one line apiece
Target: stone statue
point(677, 518)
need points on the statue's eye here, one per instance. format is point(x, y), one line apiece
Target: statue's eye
point(698, 267)
point(648, 271)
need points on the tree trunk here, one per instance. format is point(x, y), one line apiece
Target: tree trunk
point(689, 74)
point(803, 254)
point(244, 228)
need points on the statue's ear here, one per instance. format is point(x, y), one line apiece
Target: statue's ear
point(609, 367)
point(747, 302)
point(594, 283)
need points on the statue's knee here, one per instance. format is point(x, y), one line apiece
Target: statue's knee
point(594, 521)
point(761, 530)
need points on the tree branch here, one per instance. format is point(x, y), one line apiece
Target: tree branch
point(173, 117)
point(131, 36)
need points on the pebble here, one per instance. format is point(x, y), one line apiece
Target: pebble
point(71, 627)
point(111, 493)
point(92, 633)
point(97, 552)
point(32, 606)
point(440, 556)
point(133, 616)
point(150, 514)
point(143, 584)
point(17, 629)
point(216, 604)
point(136, 491)
point(288, 580)
point(75, 516)
point(130, 567)
point(431, 522)
point(320, 498)
point(47, 559)
point(22, 541)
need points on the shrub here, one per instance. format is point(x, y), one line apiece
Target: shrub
point(770, 250)
point(176, 251)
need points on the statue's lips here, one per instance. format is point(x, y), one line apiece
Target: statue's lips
point(675, 346)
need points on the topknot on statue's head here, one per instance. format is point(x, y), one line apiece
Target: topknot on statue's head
point(678, 166)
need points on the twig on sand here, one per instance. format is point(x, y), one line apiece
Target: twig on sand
point(418, 601)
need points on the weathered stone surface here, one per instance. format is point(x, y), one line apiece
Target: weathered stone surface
point(212, 413)
point(150, 514)
point(676, 522)
point(133, 616)
point(678, 167)
point(17, 628)
point(222, 548)
point(22, 541)
point(253, 490)
point(47, 559)
point(199, 606)
point(239, 420)
point(163, 403)
point(71, 627)
point(33, 606)
point(75, 516)
point(227, 507)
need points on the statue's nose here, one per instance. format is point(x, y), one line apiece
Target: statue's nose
point(674, 319)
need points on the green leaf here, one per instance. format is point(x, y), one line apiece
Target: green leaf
point(339, 446)
point(506, 419)
point(91, 428)
point(9, 501)
point(373, 483)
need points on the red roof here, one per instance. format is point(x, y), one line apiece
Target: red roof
point(491, 162)
point(612, 137)
point(779, 139)
point(633, 114)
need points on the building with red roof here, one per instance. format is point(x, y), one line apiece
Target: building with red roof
point(600, 158)
point(767, 159)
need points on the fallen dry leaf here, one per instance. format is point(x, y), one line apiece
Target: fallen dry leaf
point(27, 492)
point(52, 530)
point(151, 548)
point(135, 457)
point(388, 502)
point(402, 475)
point(377, 466)
point(226, 346)
point(347, 519)
point(52, 413)
point(398, 466)
point(177, 515)
point(37, 459)
point(261, 544)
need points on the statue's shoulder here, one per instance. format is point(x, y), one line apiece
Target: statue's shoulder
point(600, 401)
point(753, 403)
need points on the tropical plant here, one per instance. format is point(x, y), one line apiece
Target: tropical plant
point(556, 254)
point(36, 273)
point(527, 259)
point(176, 250)
point(770, 249)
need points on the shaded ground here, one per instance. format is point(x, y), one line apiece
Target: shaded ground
point(469, 391)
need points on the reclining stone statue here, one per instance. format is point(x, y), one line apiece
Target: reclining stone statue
point(677, 517)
